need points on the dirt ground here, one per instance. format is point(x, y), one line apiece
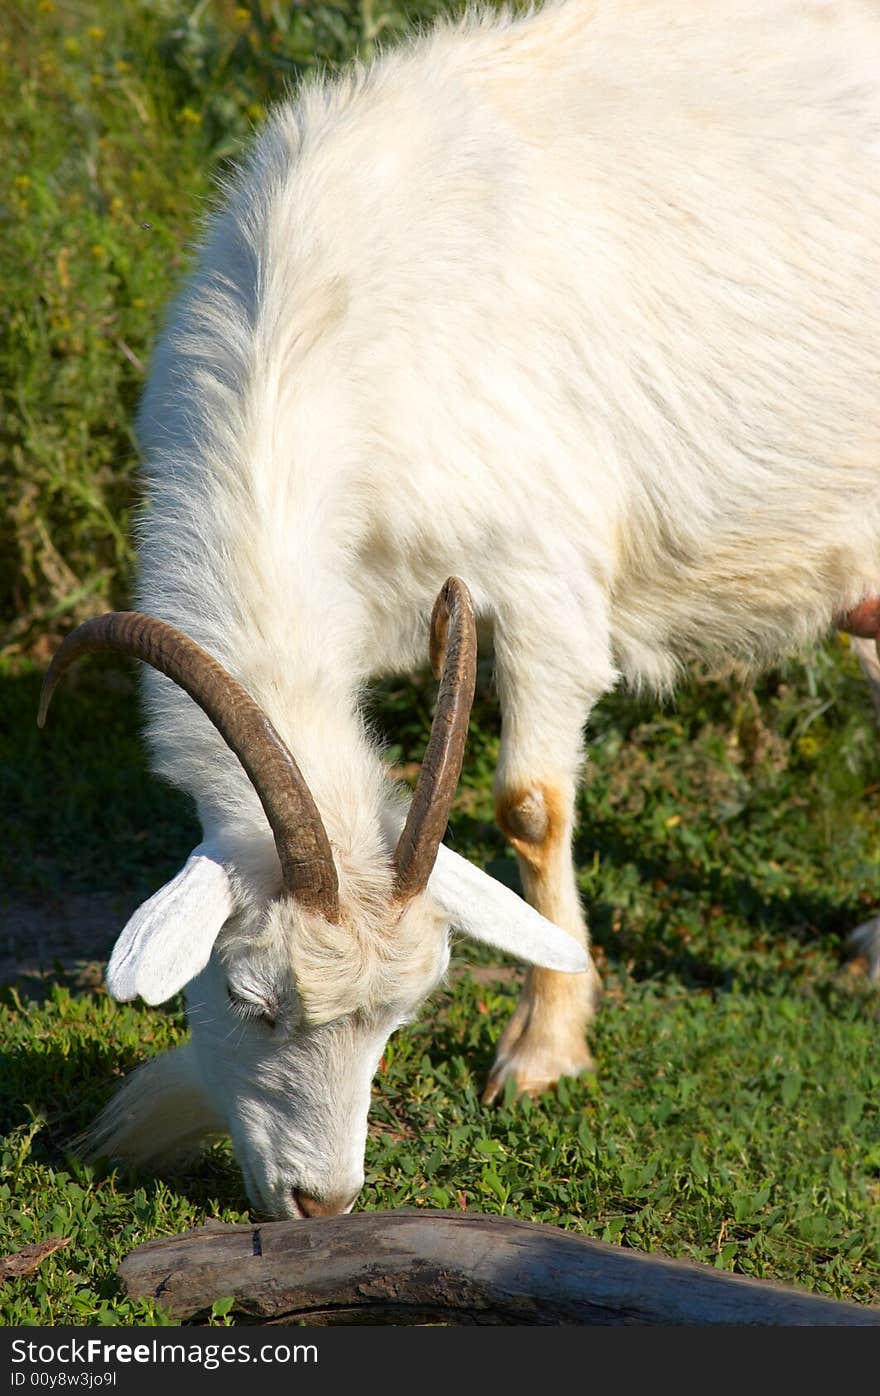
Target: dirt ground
point(70, 937)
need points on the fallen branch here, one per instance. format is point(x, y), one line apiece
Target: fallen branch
point(415, 1267)
point(25, 1261)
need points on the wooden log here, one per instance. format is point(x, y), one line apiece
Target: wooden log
point(416, 1267)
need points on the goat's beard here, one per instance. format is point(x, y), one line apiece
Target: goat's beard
point(161, 1114)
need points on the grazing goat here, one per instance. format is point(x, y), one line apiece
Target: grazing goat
point(580, 310)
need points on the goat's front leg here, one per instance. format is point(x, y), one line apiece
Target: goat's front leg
point(545, 1038)
point(544, 712)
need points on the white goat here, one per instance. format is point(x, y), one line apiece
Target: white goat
point(582, 308)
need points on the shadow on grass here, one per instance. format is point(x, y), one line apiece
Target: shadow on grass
point(80, 809)
point(64, 1090)
point(737, 931)
point(796, 916)
point(63, 1082)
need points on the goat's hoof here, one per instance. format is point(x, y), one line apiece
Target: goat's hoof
point(531, 1082)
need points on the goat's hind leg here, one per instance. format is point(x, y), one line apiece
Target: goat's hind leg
point(865, 939)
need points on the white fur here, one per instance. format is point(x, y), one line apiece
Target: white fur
point(581, 307)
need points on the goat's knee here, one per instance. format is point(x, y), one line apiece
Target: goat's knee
point(537, 818)
point(535, 821)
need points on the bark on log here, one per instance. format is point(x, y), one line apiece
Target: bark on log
point(415, 1267)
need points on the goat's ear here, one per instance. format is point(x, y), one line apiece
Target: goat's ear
point(486, 910)
point(170, 937)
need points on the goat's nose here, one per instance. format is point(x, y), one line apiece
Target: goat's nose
point(323, 1206)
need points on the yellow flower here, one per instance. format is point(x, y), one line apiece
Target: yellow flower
point(121, 66)
point(71, 46)
point(46, 7)
point(95, 33)
point(190, 117)
point(255, 111)
point(808, 746)
point(117, 204)
point(99, 251)
point(241, 17)
point(22, 181)
point(138, 303)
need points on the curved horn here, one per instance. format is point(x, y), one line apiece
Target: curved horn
point(307, 867)
point(454, 648)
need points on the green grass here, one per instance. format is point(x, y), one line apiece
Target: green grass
point(725, 844)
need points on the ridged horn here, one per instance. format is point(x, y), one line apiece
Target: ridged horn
point(454, 662)
point(308, 871)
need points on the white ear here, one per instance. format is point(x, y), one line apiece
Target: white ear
point(486, 910)
point(170, 937)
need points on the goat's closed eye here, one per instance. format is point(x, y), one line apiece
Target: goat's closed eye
point(255, 1009)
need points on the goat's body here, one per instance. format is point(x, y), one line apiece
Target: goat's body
point(576, 307)
point(584, 308)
